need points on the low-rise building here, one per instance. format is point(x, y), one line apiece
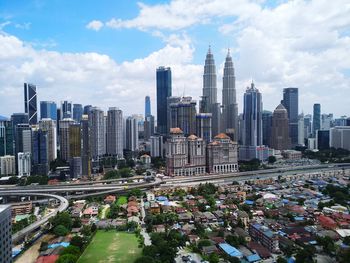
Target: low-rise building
point(265, 236)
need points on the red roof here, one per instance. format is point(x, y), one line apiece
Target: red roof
point(47, 259)
point(327, 222)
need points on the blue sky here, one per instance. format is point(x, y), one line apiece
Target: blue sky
point(105, 53)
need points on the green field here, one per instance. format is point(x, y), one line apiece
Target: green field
point(122, 200)
point(111, 246)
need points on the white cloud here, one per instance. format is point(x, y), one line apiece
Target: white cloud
point(95, 25)
point(92, 78)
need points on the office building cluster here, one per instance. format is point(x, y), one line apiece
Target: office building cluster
point(82, 135)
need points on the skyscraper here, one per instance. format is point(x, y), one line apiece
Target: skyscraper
point(291, 103)
point(280, 139)
point(40, 154)
point(170, 100)
point(301, 130)
point(64, 138)
point(5, 234)
point(77, 112)
point(30, 103)
point(203, 126)
point(97, 133)
point(74, 141)
point(115, 132)
point(163, 92)
point(23, 138)
point(229, 104)
point(149, 127)
point(49, 126)
point(85, 146)
point(147, 106)
point(183, 115)
point(252, 117)
point(87, 109)
point(316, 121)
point(252, 138)
point(6, 137)
point(266, 126)
point(132, 138)
point(209, 99)
point(66, 109)
point(48, 109)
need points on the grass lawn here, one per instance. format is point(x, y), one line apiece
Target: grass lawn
point(122, 200)
point(111, 246)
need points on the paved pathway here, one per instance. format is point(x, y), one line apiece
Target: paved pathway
point(144, 233)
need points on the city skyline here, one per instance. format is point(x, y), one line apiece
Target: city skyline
point(62, 71)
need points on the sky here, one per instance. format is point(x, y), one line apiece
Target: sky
point(106, 52)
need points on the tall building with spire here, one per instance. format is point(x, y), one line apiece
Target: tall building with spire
point(209, 102)
point(229, 104)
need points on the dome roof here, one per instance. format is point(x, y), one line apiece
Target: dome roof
point(222, 136)
point(175, 131)
point(192, 137)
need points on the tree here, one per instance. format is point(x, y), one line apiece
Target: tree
point(144, 259)
point(272, 159)
point(125, 172)
point(86, 231)
point(305, 255)
point(77, 241)
point(63, 219)
point(68, 258)
point(93, 227)
point(76, 223)
point(213, 258)
point(203, 243)
point(281, 260)
point(43, 246)
point(111, 175)
point(60, 230)
point(70, 250)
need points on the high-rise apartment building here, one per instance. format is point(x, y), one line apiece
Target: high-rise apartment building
point(203, 126)
point(115, 132)
point(229, 102)
point(164, 89)
point(147, 106)
point(339, 137)
point(209, 102)
point(170, 101)
point(326, 121)
point(280, 139)
point(156, 145)
point(77, 112)
point(316, 121)
point(7, 165)
point(48, 109)
point(291, 103)
point(183, 115)
point(24, 162)
point(132, 130)
point(97, 133)
point(5, 234)
point(23, 138)
point(30, 103)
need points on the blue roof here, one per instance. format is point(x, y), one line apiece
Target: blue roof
point(249, 202)
point(299, 218)
point(62, 244)
point(162, 198)
point(285, 201)
point(253, 258)
point(291, 260)
point(230, 250)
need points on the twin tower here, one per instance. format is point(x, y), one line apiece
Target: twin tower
point(224, 116)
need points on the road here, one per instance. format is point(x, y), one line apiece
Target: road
point(146, 237)
point(63, 206)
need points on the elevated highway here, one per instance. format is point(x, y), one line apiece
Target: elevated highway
point(41, 222)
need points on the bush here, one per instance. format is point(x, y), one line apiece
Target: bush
point(68, 258)
point(77, 241)
point(70, 250)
